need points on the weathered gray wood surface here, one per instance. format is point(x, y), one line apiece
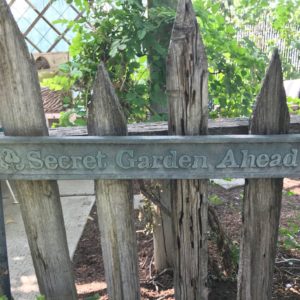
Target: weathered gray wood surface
point(217, 126)
point(170, 157)
point(4, 271)
point(262, 197)
point(22, 114)
point(163, 239)
point(187, 91)
point(114, 199)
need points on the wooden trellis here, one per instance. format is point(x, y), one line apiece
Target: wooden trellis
point(38, 14)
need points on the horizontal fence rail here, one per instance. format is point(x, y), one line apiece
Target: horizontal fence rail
point(215, 127)
point(218, 126)
point(161, 157)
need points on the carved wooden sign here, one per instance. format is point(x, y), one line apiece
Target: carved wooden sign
point(150, 157)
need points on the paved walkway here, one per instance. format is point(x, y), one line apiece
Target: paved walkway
point(77, 199)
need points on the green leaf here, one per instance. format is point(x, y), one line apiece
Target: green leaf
point(122, 47)
point(215, 200)
point(134, 48)
point(64, 68)
point(141, 34)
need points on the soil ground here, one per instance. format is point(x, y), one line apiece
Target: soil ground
point(89, 269)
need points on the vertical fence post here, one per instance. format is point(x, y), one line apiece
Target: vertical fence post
point(22, 114)
point(4, 271)
point(187, 90)
point(262, 197)
point(114, 198)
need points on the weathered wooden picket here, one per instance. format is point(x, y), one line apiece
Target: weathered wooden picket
point(33, 163)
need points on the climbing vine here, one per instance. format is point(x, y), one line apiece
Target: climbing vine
point(123, 34)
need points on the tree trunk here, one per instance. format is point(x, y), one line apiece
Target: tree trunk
point(157, 62)
point(187, 90)
point(114, 199)
point(22, 114)
point(262, 197)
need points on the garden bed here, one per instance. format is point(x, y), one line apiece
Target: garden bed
point(89, 269)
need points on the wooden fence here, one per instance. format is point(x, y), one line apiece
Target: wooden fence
point(31, 159)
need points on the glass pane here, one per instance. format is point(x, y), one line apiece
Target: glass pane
point(60, 6)
point(39, 4)
point(31, 49)
point(62, 46)
point(42, 27)
point(43, 45)
point(42, 34)
point(34, 36)
point(70, 14)
point(30, 15)
point(50, 36)
point(23, 24)
point(18, 8)
point(52, 14)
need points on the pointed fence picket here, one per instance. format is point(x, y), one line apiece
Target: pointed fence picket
point(35, 163)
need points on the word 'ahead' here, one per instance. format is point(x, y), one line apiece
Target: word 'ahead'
point(169, 157)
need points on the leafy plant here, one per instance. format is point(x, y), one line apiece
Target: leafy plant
point(290, 235)
point(215, 200)
point(293, 105)
point(236, 67)
point(146, 215)
point(227, 179)
point(235, 252)
point(120, 34)
point(94, 297)
point(289, 193)
point(236, 63)
point(124, 35)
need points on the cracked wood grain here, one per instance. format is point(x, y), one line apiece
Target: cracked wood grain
point(262, 197)
point(114, 198)
point(22, 114)
point(187, 91)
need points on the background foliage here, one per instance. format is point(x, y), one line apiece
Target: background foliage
point(131, 37)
